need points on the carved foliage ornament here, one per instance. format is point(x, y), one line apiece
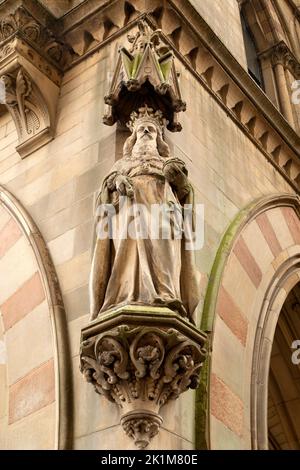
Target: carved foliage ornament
point(145, 74)
point(26, 105)
point(281, 54)
point(141, 365)
point(25, 102)
point(23, 24)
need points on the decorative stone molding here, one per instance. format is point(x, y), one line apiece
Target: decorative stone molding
point(201, 51)
point(94, 24)
point(31, 61)
point(28, 109)
point(141, 368)
point(281, 54)
point(242, 220)
point(30, 21)
point(32, 112)
point(88, 26)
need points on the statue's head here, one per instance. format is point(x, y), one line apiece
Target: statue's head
point(147, 130)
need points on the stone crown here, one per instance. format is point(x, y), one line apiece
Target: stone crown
point(146, 114)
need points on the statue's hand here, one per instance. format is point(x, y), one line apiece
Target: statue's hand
point(174, 170)
point(175, 173)
point(171, 172)
point(124, 186)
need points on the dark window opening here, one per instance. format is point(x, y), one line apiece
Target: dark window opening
point(253, 63)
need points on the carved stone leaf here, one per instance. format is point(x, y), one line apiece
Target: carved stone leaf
point(8, 26)
point(112, 356)
point(10, 95)
point(23, 85)
point(180, 362)
point(147, 352)
point(104, 379)
point(148, 365)
point(32, 30)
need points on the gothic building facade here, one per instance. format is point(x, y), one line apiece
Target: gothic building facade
point(229, 71)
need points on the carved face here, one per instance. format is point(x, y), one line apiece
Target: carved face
point(146, 131)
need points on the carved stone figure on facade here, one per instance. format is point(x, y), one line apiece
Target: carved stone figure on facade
point(133, 265)
point(139, 351)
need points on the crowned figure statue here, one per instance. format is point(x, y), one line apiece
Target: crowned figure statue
point(140, 255)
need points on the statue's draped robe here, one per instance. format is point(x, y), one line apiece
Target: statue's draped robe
point(135, 270)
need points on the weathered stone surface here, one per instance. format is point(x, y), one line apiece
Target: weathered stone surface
point(222, 149)
point(23, 301)
point(24, 359)
point(146, 176)
point(226, 406)
point(32, 392)
point(141, 368)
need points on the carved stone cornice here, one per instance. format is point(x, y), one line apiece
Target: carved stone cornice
point(17, 47)
point(141, 368)
point(93, 25)
point(19, 22)
point(105, 19)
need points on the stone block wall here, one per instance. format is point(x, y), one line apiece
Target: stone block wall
point(58, 184)
point(223, 18)
point(27, 386)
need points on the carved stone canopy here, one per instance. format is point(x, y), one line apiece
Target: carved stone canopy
point(141, 368)
point(145, 74)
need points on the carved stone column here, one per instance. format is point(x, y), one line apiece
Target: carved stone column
point(31, 61)
point(283, 59)
point(141, 358)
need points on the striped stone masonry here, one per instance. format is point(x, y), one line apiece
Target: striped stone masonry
point(262, 245)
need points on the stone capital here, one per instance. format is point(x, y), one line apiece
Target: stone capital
point(281, 54)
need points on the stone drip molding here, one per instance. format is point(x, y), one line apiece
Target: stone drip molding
point(141, 368)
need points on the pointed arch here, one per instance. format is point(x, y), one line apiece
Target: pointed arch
point(31, 293)
point(256, 264)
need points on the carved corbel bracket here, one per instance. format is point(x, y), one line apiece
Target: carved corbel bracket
point(32, 112)
point(141, 368)
point(31, 61)
point(145, 74)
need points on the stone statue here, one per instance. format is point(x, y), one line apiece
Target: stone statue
point(130, 265)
